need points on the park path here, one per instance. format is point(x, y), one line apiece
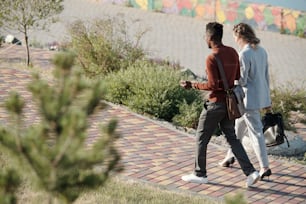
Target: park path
point(157, 154)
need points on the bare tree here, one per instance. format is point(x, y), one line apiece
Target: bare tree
point(24, 15)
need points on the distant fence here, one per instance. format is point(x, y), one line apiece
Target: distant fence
point(261, 16)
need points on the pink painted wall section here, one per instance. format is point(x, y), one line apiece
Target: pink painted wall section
point(262, 16)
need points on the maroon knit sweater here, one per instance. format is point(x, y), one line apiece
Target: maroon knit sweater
point(230, 61)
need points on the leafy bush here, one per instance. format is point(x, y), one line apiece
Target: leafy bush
point(189, 114)
point(103, 45)
point(149, 88)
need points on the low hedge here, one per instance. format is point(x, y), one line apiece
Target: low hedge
point(153, 89)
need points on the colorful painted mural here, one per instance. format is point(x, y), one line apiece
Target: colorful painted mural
point(262, 16)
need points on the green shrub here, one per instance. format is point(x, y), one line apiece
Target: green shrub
point(149, 88)
point(118, 87)
point(103, 45)
point(189, 113)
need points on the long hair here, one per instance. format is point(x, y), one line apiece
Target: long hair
point(247, 33)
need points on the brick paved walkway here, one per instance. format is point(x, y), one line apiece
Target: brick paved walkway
point(159, 155)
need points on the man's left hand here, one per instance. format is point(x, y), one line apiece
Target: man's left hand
point(186, 84)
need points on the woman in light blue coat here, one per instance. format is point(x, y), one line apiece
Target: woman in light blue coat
point(255, 82)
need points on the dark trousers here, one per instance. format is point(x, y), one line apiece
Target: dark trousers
point(212, 116)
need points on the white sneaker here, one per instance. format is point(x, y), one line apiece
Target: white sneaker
point(194, 179)
point(252, 179)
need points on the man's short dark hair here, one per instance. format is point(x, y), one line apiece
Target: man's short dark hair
point(215, 30)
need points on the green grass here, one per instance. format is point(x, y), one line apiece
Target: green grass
point(118, 191)
point(126, 191)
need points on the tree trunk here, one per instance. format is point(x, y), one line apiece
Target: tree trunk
point(27, 45)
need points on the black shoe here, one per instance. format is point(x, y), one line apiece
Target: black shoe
point(227, 162)
point(266, 173)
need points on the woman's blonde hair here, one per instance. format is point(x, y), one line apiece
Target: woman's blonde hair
point(247, 33)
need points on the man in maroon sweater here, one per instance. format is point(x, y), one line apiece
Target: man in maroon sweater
point(214, 113)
